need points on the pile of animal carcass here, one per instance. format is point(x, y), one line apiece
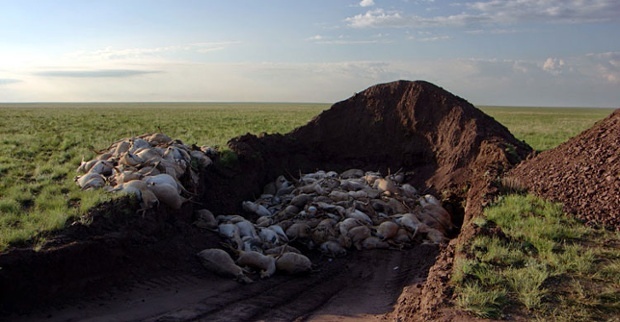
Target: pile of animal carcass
point(150, 166)
point(327, 211)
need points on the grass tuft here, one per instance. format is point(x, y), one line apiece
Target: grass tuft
point(527, 283)
point(548, 266)
point(483, 302)
point(511, 185)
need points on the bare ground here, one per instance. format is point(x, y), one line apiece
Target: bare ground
point(365, 285)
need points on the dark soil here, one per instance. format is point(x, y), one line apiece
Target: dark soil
point(444, 145)
point(582, 173)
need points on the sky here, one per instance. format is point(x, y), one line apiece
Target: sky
point(491, 52)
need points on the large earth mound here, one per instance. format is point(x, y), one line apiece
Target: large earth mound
point(442, 143)
point(582, 173)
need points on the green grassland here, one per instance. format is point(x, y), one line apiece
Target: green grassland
point(41, 145)
point(544, 128)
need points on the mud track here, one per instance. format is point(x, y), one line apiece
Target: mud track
point(365, 285)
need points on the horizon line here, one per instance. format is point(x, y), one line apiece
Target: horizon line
point(273, 102)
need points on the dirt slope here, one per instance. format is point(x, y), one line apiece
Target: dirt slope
point(582, 173)
point(440, 140)
point(444, 145)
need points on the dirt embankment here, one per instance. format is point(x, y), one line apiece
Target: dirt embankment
point(442, 143)
point(582, 173)
point(440, 140)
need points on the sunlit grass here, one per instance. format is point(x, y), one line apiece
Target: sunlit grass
point(547, 264)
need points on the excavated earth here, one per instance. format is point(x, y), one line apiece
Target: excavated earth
point(582, 173)
point(117, 265)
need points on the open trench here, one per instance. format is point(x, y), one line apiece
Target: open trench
point(131, 268)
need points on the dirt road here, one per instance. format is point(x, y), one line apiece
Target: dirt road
point(364, 285)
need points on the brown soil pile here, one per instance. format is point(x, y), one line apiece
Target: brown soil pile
point(582, 173)
point(443, 144)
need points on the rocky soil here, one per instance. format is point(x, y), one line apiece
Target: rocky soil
point(582, 173)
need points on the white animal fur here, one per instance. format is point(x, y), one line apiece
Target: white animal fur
point(219, 262)
point(293, 263)
point(266, 264)
point(255, 208)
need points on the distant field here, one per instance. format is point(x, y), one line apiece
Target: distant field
point(544, 128)
point(41, 145)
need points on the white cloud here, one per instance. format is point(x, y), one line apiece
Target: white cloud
point(495, 31)
point(134, 53)
point(94, 73)
point(315, 38)
point(343, 40)
point(548, 11)
point(367, 3)
point(607, 66)
point(496, 12)
point(377, 18)
point(430, 38)
point(554, 66)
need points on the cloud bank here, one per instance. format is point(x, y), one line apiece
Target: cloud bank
point(585, 80)
point(495, 12)
point(116, 73)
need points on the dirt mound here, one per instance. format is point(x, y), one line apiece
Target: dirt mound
point(442, 143)
point(440, 140)
point(582, 173)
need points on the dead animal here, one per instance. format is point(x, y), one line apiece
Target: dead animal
point(387, 230)
point(357, 234)
point(205, 219)
point(299, 230)
point(265, 264)
point(90, 180)
point(260, 210)
point(219, 262)
point(373, 242)
point(281, 250)
point(167, 194)
point(293, 263)
point(333, 249)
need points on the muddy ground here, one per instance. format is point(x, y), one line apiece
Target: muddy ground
point(122, 266)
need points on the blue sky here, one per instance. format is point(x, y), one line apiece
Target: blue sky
point(491, 52)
